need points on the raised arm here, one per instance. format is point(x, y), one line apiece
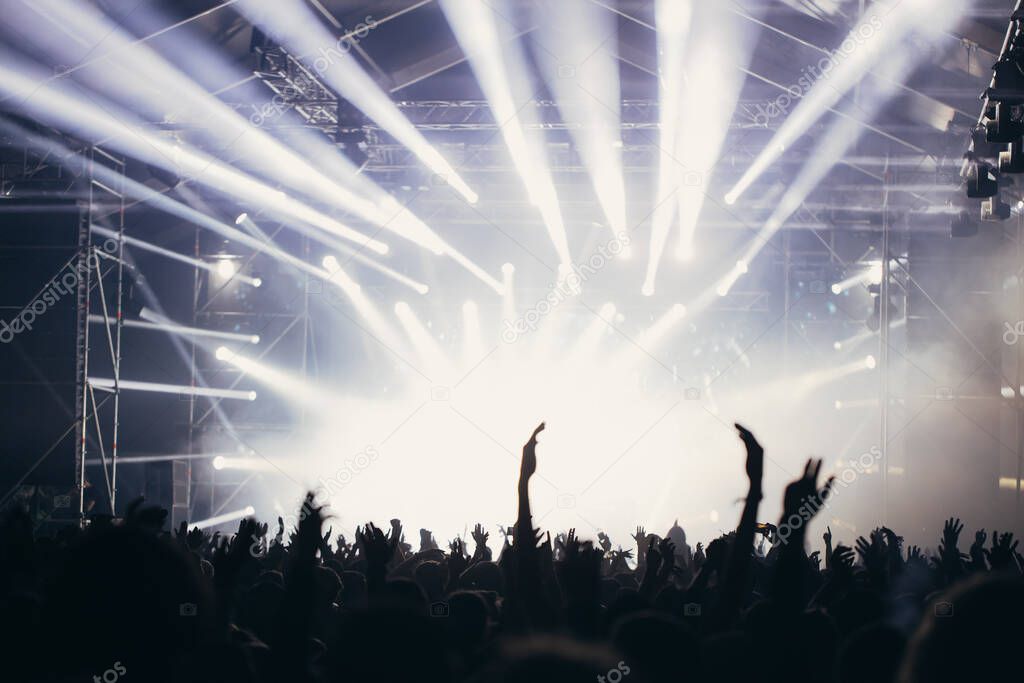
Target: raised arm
point(738, 570)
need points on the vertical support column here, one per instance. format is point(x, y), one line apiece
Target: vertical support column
point(82, 353)
point(883, 343)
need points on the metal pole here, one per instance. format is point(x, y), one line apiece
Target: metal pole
point(119, 322)
point(883, 343)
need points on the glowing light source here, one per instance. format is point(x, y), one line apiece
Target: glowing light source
point(500, 69)
point(870, 362)
point(226, 268)
point(159, 388)
point(217, 520)
point(164, 325)
point(294, 24)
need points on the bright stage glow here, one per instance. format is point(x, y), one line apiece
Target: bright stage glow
point(287, 384)
point(870, 275)
point(869, 362)
point(218, 462)
point(226, 268)
point(472, 342)
point(435, 362)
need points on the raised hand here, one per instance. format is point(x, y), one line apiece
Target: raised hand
point(639, 536)
point(827, 536)
point(457, 561)
point(805, 491)
point(815, 559)
point(668, 558)
point(755, 456)
point(480, 536)
point(529, 464)
point(950, 560)
point(1001, 556)
point(604, 541)
point(376, 547)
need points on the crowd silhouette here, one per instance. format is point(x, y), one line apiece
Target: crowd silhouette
point(130, 600)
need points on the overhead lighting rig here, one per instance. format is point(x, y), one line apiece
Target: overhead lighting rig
point(1001, 125)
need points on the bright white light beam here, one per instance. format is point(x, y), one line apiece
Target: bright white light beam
point(673, 18)
point(501, 71)
point(157, 387)
point(182, 331)
point(293, 23)
point(248, 511)
point(882, 30)
point(173, 255)
point(583, 75)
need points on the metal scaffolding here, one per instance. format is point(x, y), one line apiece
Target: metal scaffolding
point(101, 268)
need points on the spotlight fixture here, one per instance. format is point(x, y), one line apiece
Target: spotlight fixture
point(1003, 121)
point(226, 268)
point(982, 181)
point(870, 362)
point(1012, 160)
point(994, 209)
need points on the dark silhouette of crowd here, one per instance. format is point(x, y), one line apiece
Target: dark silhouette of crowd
point(129, 601)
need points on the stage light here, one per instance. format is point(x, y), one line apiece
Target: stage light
point(722, 290)
point(242, 218)
point(1007, 392)
point(839, 405)
point(173, 255)
point(285, 383)
point(575, 32)
point(294, 24)
point(218, 462)
point(501, 70)
point(436, 363)
point(837, 288)
point(508, 269)
point(730, 198)
point(217, 520)
point(226, 268)
point(837, 345)
point(870, 363)
point(161, 324)
point(181, 390)
point(257, 282)
point(741, 266)
point(874, 274)
point(882, 39)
